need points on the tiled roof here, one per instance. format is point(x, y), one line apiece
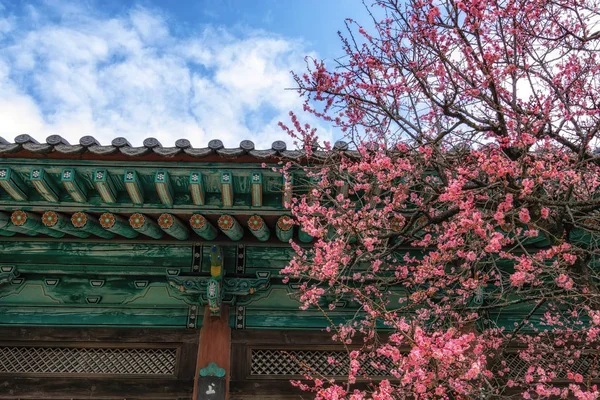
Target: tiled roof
point(90, 146)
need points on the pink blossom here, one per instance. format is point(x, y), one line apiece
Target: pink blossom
point(564, 281)
point(462, 215)
point(524, 215)
point(570, 258)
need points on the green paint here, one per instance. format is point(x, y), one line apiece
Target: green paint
point(197, 188)
point(284, 229)
point(33, 223)
point(145, 225)
point(76, 288)
point(268, 257)
point(90, 224)
point(95, 316)
point(100, 181)
point(6, 225)
point(162, 183)
point(8, 274)
point(62, 223)
point(44, 184)
point(291, 319)
point(258, 228)
point(6, 233)
point(133, 186)
point(13, 184)
point(109, 256)
point(207, 290)
point(257, 188)
point(231, 227)
point(172, 226)
point(104, 185)
point(122, 282)
point(117, 224)
point(212, 369)
point(304, 237)
point(202, 227)
point(226, 179)
point(72, 184)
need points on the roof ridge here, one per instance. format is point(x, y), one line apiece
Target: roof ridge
point(89, 144)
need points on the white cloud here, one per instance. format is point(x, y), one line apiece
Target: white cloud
point(17, 108)
point(130, 76)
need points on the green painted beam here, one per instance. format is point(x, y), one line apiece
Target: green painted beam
point(116, 224)
point(172, 226)
point(230, 227)
point(149, 208)
point(259, 228)
point(267, 258)
point(304, 237)
point(162, 183)
point(202, 227)
point(90, 256)
point(13, 184)
point(145, 225)
point(33, 222)
point(44, 184)
point(226, 188)
point(257, 188)
point(62, 223)
point(91, 187)
point(212, 166)
point(197, 188)
point(76, 289)
point(284, 229)
point(7, 225)
point(74, 185)
point(133, 186)
point(105, 186)
point(88, 223)
point(96, 316)
point(291, 319)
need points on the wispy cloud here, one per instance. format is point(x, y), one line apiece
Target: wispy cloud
point(73, 71)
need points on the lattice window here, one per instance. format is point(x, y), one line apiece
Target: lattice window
point(276, 362)
point(583, 365)
point(316, 362)
point(84, 361)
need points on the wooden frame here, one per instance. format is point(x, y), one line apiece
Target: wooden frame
point(109, 386)
point(245, 386)
point(59, 345)
point(284, 347)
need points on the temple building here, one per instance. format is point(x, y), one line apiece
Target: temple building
point(151, 273)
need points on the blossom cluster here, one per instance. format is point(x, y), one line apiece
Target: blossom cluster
point(463, 222)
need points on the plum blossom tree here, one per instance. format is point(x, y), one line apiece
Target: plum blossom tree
point(463, 220)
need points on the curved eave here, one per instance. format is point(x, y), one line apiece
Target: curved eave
point(56, 147)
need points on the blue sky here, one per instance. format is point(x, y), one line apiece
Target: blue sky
point(165, 68)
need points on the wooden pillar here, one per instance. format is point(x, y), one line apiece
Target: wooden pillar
point(214, 348)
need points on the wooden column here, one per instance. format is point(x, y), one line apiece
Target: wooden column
point(215, 347)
